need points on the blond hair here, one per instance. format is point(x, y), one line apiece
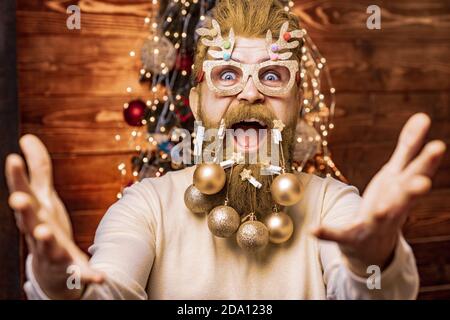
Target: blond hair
point(251, 19)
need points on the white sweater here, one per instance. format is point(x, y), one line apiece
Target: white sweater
point(150, 246)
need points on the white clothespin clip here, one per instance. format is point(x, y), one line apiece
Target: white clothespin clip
point(221, 131)
point(235, 158)
point(246, 174)
point(227, 163)
point(278, 126)
point(270, 170)
point(199, 137)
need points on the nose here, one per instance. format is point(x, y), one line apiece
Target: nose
point(250, 93)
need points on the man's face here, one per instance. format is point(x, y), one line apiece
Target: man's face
point(240, 111)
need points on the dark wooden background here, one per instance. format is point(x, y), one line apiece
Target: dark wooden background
point(72, 88)
point(10, 268)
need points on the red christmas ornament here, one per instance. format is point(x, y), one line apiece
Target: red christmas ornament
point(287, 36)
point(183, 62)
point(135, 113)
point(185, 101)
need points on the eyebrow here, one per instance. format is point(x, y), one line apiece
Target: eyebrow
point(259, 61)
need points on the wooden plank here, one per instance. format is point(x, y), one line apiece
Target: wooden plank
point(433, 262)
point(334, 19)
point(82, 141)
point(346, 19)
point(430, 217)
point(78, 55)
point(88, 170)
point(89, 197)
point(32, 84)
point(98, 17)
point(441, 292)
point(85, 223)
point(361, 161)
point(51, 23)
point(378, 117)
point(79, 125)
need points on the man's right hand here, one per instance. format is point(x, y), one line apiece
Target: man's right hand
point(43, 219)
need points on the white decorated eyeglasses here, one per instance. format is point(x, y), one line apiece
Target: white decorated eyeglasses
point(271, 78)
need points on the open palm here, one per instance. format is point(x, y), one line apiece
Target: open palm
point(43, 219)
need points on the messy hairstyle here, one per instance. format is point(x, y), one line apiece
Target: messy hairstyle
point(248, 18)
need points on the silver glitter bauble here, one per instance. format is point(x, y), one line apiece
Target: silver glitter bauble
point(252, 236)
point(223, 221)
point(200, 203)
point(158, 54)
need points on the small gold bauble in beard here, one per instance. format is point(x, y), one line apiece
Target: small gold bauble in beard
point(285, 188)
point(252, 235)
point(223, 221)
point(280, 226)
point(200, 203)
point(209, 178)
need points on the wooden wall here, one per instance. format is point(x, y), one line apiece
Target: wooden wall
point(72, 88)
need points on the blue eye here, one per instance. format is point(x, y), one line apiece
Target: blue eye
point(271, 76)
point(228, 76)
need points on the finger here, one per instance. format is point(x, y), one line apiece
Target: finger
point(427, 162)
point(418, 185)
point(26, 208)
point(38, 161)
point(90, 275)
point(48, 245)
point(330, 234)
point(16, 176)
point(410, 141)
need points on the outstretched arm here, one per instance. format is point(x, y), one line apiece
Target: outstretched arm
point(374, 238)
point(42, 218)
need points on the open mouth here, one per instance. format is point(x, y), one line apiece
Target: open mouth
point(249, 124)
point(249, 133)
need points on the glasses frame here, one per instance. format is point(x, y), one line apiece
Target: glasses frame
point(253, 71)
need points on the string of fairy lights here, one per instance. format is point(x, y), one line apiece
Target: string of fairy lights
point(168, 45)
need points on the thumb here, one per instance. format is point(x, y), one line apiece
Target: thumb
point(38, 162)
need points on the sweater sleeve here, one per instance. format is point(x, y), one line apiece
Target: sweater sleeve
point(124, 248)
point(399, 280)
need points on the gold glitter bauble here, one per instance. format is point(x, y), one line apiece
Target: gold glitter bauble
point(286, 189)
point(223, 221)
point(209, 178)
point(280, 227)
point(252, 236)
point(200, 203)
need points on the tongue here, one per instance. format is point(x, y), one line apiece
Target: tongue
point(246, 136)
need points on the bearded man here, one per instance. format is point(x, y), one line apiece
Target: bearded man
point(150, 246)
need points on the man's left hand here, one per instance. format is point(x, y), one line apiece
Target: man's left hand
point(388, 198)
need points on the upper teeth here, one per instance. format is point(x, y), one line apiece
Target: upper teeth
point(255, 120)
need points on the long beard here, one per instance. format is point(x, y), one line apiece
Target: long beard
point(242, 195)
